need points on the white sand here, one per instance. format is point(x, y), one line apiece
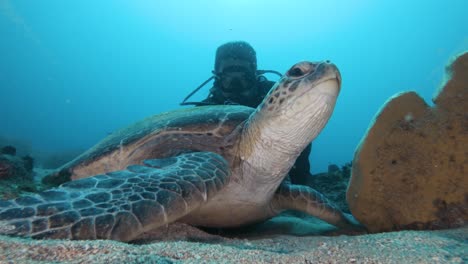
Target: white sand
point(444, 246)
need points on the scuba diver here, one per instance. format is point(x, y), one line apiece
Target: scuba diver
point(238, 81)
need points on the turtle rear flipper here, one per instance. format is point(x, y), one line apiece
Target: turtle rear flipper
point(118, 205)
point(305, 199)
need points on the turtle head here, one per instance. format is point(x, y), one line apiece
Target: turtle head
point(297, 108)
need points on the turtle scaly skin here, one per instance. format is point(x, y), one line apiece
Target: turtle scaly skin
point(118, 205)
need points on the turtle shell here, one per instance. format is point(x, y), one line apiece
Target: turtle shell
point(207, 128)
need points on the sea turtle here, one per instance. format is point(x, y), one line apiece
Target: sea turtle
point(212, 166)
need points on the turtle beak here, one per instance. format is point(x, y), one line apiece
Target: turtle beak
point(325, 79)
point(331, 70)
point(338, 77)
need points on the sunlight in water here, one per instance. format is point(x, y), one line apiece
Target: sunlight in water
point(243, 18)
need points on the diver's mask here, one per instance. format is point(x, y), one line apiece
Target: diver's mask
point(231, 78)
point(236, 80)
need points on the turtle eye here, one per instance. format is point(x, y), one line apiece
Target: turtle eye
point(300, 69)
point(295, 72)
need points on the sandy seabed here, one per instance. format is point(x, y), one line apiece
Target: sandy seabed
point(180, 243)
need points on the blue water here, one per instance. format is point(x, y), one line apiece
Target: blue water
point(73, 71)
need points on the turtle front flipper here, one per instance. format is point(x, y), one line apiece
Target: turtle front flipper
point(118, 205)
point(305, 199)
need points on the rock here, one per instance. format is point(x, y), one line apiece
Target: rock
point(5, 169)
point(410, 170)
point(8, 150)
point(9, 165)
point(16, 176)
point(28, 162)
point(332, 168)
point(15, 167)
point(333, 184)
point(22, 147)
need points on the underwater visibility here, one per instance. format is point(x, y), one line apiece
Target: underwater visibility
point(233, 132)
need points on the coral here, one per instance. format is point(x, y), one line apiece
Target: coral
point(410, 169)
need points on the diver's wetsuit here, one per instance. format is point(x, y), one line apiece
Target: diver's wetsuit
point(300, 172)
